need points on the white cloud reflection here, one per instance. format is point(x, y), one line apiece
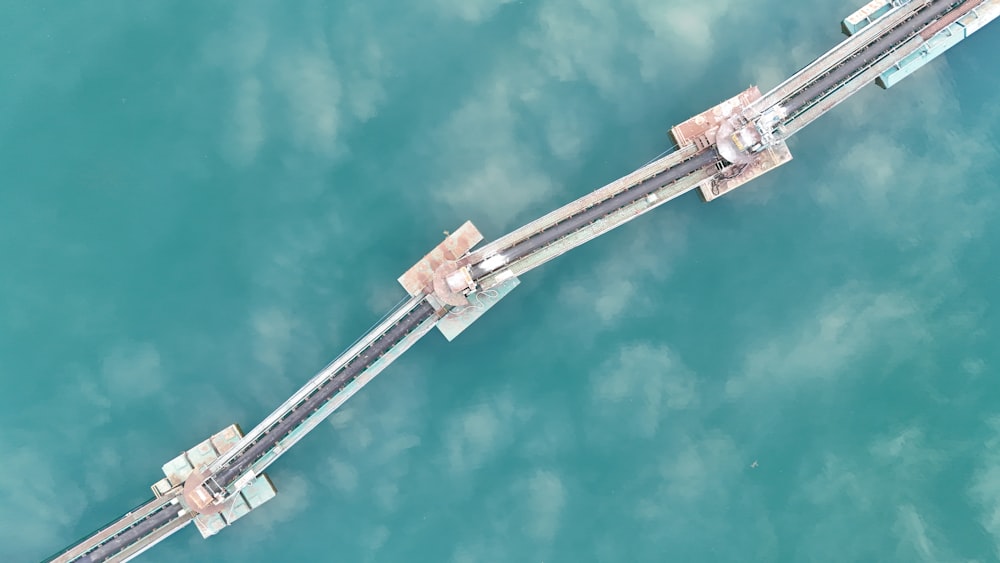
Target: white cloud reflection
point(296, 88)
point(641, 386)
point(479, 433)
point(851, 324)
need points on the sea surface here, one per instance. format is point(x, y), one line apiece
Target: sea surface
point(202, 203)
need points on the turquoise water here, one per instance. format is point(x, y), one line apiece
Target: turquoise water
point(203, 203)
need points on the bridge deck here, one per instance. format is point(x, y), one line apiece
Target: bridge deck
point(308, 405)
point(310, 386)
point(130, 520)
point(835, 57)
point(559, 215)
point(891, 47)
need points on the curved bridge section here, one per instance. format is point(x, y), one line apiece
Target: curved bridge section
point(222, 478)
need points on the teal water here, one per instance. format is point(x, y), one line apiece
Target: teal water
point(201, 203)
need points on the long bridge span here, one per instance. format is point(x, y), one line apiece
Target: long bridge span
point(221, 479)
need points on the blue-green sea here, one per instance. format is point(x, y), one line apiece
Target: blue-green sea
point(202, 203)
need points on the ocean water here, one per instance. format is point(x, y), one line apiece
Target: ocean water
point(202, 203)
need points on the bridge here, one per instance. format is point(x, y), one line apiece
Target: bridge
point(223, 478)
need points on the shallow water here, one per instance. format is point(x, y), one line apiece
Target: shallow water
point(203, 204)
